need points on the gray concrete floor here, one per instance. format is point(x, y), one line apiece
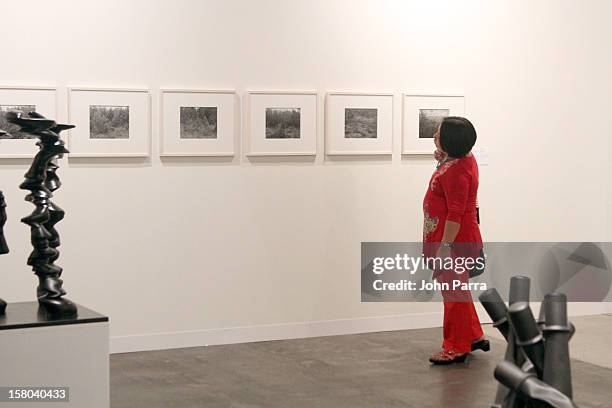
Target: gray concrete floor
point(388, 369)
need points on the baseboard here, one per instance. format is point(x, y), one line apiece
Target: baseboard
point(299, 330)
point(248, 334)
point(587, 308)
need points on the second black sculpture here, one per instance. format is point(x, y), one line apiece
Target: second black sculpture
point(536, 371)
point(41, 180)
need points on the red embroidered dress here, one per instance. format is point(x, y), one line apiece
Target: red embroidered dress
point(452, 196)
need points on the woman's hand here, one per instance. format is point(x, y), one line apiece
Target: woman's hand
point(439, 155)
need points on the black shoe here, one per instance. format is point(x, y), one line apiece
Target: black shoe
point(483, 345)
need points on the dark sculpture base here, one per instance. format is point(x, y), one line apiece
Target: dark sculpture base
point(58, 307)
point(22, 315)
point(2, 307)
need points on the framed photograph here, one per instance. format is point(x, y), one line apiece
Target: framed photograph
point(109, 122)
point(197, 123)
point(359, 123)
point(422, 115)
point(281, 123)
point(16, 144)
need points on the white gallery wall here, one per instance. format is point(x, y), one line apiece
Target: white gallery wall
point(201, 251)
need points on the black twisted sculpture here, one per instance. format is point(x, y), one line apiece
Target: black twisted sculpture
point(3, 246)
point(41, 180)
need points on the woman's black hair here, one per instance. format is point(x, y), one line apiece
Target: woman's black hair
point(457, 136)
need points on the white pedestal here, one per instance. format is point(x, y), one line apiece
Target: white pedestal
point(36, 351)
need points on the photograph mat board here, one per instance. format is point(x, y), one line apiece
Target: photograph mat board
point(172, 136)
point(122, 112)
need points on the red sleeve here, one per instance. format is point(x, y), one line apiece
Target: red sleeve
point(456, 186)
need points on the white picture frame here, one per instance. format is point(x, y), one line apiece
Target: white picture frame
point(359, 123)
point(182, 131)
point(131, 138)
point(420, 114)
point(44, 101)
point(285, 138)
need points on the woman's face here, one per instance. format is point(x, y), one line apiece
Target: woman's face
point(437, 139)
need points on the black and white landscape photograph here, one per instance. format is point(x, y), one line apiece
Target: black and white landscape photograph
point(360, 123)
point(430, 120)
point(13, 131)
point(198, 122)
point(109, 122)
point(283, 123)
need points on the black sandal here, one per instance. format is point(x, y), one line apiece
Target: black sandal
point(483, 345)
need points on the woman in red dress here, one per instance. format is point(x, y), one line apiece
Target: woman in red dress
point(451, 227)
